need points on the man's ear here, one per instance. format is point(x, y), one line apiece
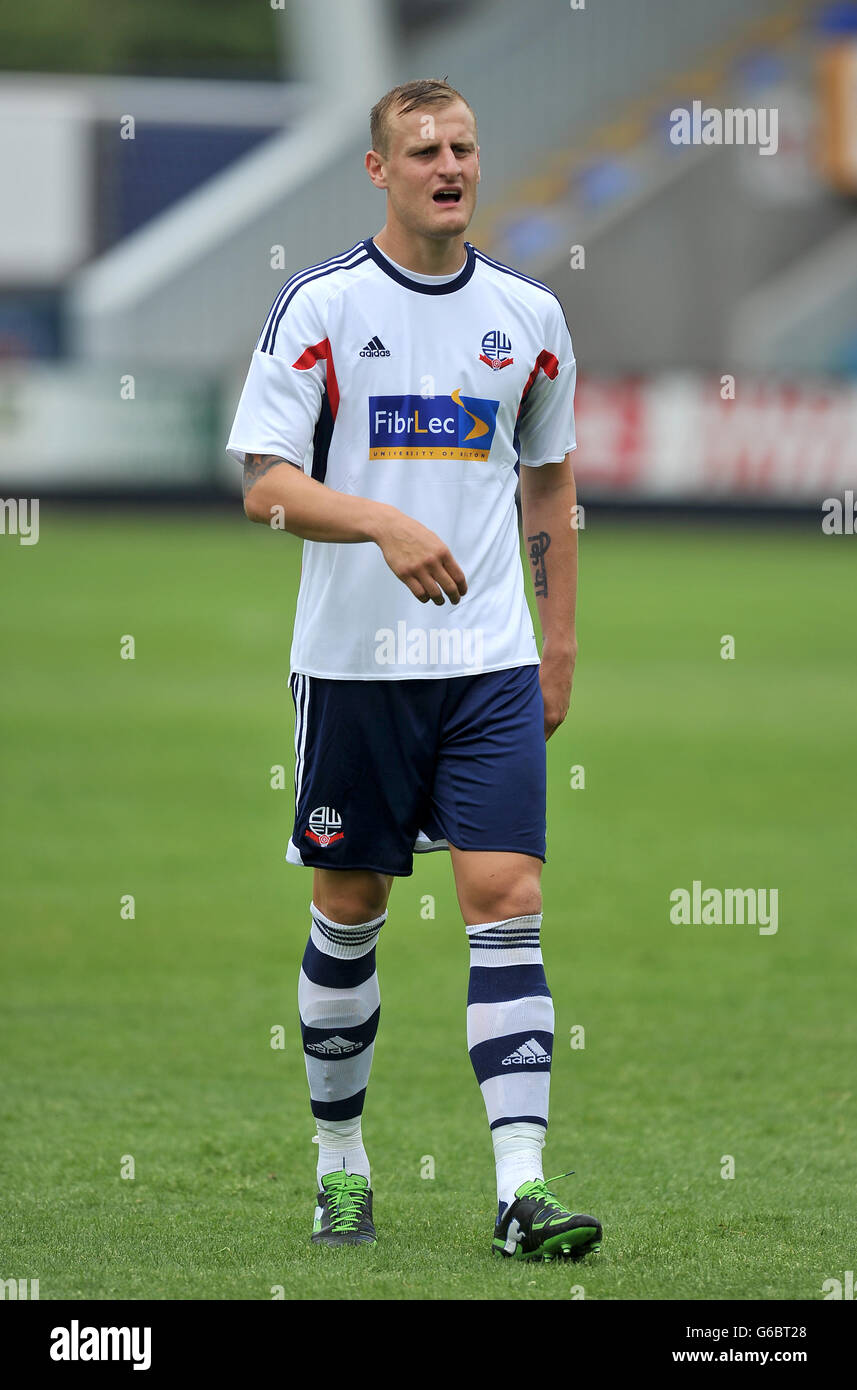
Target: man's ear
point(375, 168)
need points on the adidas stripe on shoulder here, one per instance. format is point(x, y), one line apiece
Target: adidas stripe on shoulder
point(525, 279)
point(347, 260)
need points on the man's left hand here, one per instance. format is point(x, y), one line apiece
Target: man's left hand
point(555, 676)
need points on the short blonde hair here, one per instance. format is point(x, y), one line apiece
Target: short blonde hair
point(411, 96)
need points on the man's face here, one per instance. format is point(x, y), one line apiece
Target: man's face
point(431, 170)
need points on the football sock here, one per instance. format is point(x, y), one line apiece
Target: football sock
point(339, 1003)
point(510, 1026)
point(340, 1146)
point(518, 1156)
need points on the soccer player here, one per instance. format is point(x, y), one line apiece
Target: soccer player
point(396, 392)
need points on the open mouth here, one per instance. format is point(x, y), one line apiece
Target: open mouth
point(447, 195)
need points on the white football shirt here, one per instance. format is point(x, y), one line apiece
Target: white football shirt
point(424, 392)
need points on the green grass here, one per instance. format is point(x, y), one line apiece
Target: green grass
point(150, 1037)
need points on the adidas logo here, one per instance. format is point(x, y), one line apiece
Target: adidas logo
point(374, 348)
point(529, 1054)
point(333, 1047)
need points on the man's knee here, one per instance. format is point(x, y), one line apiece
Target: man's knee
point(491, 901)
point(350, 896)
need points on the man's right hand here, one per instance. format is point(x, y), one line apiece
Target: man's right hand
point(306, 507)
point(421, 560)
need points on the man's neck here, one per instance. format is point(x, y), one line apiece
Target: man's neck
point(422, 255)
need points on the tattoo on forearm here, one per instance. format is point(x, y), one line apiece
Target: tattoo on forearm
point(256, 466)
point(538, 548)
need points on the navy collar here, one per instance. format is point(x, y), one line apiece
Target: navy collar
point(448, 288)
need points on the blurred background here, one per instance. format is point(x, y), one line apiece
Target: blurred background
point(165, 176)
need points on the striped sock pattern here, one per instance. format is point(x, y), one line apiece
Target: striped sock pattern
point(510, 1020)
point(339, 1003)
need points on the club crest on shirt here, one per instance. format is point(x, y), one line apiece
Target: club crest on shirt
point(496, 349)
point(325, 826)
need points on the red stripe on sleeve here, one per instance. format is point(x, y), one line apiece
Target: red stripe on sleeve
point(317, 353)
point(545, 362)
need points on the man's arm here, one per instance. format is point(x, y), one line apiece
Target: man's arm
point(307, 508)
point(547, 497)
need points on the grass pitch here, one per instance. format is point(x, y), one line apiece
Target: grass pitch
point(149, 1038)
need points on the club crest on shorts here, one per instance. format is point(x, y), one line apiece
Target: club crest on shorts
point(325, 826)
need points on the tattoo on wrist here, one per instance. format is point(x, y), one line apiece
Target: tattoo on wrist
point(256, 466)
point(538, 549)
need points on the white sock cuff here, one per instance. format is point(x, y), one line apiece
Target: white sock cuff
point(377, 922)
point(346, 926)
point(516, 941)
point(342, 939)
point(531, 922)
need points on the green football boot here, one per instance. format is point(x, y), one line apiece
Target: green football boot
point(538, 1227)
point(343, 1213)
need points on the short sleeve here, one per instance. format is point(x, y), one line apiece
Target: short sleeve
point(285, 385)
point(546, 417)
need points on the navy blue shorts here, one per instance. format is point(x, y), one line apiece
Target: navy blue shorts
point(387, 767)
